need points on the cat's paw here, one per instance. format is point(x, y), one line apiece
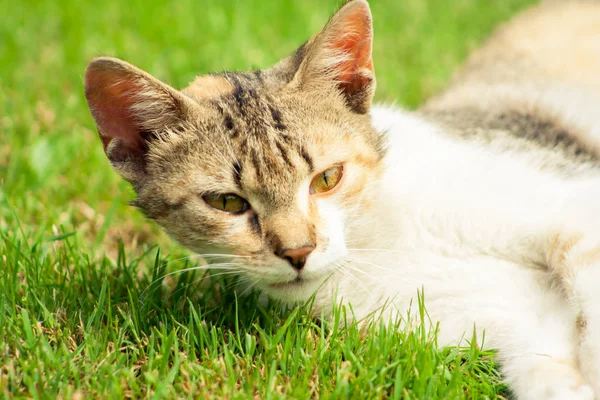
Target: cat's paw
point(548, 378)
point(583, 392)
point(561, 389)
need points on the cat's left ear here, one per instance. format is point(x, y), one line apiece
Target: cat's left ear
point(131, 109)
point(341, 54)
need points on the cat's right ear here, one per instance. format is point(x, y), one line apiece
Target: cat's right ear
point(131, 108)
point(340, 56)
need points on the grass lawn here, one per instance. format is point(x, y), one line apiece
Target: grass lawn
point(86, 307)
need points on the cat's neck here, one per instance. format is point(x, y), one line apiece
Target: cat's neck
point(435, 186)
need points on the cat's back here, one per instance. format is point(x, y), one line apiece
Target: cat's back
point(534, 86)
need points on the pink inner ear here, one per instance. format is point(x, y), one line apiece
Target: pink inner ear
point(355, 40)
point(111, 94)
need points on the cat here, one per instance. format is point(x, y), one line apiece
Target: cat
point(487, 197)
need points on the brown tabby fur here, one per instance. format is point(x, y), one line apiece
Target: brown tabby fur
point(258, 133)
point(503, 91)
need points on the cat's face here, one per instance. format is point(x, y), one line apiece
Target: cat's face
point(269, 167)
point(276, 184)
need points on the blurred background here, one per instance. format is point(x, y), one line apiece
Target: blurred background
point(54, 178)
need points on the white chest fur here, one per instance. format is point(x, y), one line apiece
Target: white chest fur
point(469, 226)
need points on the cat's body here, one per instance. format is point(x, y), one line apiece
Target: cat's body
point(488, 198)
point(475, 226)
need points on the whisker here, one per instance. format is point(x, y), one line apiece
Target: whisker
point(249, 288)
point(343, 267)
point(221, 266)
point(381, 250)
point(370, 263)
point(345, 273)
point(197, 281)
point(229, 266)
point(223, 255)
point(190, 257)
point(356, 268)
point(238, 282)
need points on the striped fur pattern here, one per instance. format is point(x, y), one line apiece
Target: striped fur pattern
point(262, 135)
point(488, 197)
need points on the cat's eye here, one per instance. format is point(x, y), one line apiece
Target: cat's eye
point(326, 180)
point(229, 202)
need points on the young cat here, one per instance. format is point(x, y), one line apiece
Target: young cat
point(488, 197)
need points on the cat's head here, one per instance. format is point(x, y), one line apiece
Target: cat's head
point(270, 166)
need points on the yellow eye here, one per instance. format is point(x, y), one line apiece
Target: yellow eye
point(326, 180)
point(230, 203)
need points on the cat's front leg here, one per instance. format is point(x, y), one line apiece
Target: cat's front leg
point(587, 294)
point(574, 256)
point(515, 310)
point(541, 377)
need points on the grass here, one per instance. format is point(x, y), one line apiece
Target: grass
point(85, 307)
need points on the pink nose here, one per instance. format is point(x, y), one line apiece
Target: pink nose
point(296, 257)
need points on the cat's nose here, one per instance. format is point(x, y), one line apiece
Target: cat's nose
point(296, 257)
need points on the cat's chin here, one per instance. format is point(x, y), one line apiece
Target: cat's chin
point(297, 290)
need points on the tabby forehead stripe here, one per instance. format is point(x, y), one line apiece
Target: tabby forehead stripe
point(283, 153)
point(237, 174)
point(286, 138)
point(239, 92)
point(258, 75)
point(277, 118)
point(256, 162)
point(308, 159)
point(255, 224)
point(227, 120)
point(243, 149)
